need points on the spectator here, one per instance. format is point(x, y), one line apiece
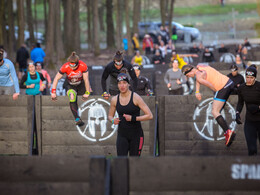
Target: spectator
point(174, 34)
point(174, 79)
point(163, 50)
point(143, 84)
point(163, 33)
point(170, 46)
point(9, 84)
point(37, 54)
point(180, 57)
point(5, 53)
point(201, 46)
point(125, 43)
point(222, 49)
point(207, 56)
point(246, 43)
point(31, 81)
point(239, 62)
point(135, 42)
point(46, 76)
point(194, 49)
point(22, 56)
point(156, 48)
point(147, 44)
point(237, 78)
point(137, 59)
point(159, 39)
point(157, 58)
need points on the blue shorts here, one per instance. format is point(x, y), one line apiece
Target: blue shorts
point(224, 93)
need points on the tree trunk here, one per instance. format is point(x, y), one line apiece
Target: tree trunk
point(21, 23)
point(119, 16)
point(30, 21)
point(110, 24)
point(128, 30)
point(50, 34)
point(136, 15)
point(76, 28)
point(96, 28)
point(68, 27)
point(101, 10)
point(2, 26)
point(89, 20)
point(35, 16)
point(162, 10)
point(58, 34)
point(45, 16)
point(171, 16)
point(11, 37)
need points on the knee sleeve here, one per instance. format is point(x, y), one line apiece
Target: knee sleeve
point(72, 94)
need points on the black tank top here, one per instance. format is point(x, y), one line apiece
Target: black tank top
point(128, 127)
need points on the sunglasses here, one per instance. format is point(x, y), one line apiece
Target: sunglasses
point(187, 71)
point(73, 65)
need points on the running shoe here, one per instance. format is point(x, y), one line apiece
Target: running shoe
point(79, 122)
point(230, 136)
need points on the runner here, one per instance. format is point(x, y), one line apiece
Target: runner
point(249, 93)
point(113, 69)
point(221, 84)
point(78, 83)
point(130, 135)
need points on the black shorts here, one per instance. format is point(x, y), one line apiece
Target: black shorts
point(224, 93)
point(80, 89)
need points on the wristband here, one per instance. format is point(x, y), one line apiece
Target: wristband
point(112, 121)
point(133, 119)
point(197, 92)
point(87, 93)
point(53, 91)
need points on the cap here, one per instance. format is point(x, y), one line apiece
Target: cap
point(233, 67)
point(122, 77)
point(251, 71)
point(136, 67)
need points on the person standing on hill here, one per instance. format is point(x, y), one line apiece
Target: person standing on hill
point(37, 54)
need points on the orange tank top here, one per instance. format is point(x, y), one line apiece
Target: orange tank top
point(217, 79)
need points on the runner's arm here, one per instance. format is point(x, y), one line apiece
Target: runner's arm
point(56, 79)
point(143, 106)
point(86, 81)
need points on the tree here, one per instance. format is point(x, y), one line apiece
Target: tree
point(20, 9)
point(89, 21)
point(68, 27)
point(49, 59)
point(75, 24)
point(2, 25)
point(11, 37)
point(58, 34)
point(136, 15)
point(162, 11)
point(30, 20)
point(110, 24)
point(171, 16)
point(96, 28)
point(128, 30)
point(119, 16)
point(101, 10)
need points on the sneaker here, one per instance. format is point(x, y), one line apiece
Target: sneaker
point(230, 136)
point(79, 122)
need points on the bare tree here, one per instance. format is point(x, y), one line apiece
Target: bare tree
point(101, 10)
point(110, 24)
point(68, 27)
point(171, 16)
point(58, 34)
point(128, 30)
point(35, 16)
point(2, 25)
point(89, 21)
point(136, 15)
point(20, 7)
point(11, 37)
point(45, 15)
point(96, 28)
point(30, 20)
point(75, 24)
point(119, 25)
point(49, 59)
point(162, 11)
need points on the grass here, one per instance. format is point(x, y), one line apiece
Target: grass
point(202, 10)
